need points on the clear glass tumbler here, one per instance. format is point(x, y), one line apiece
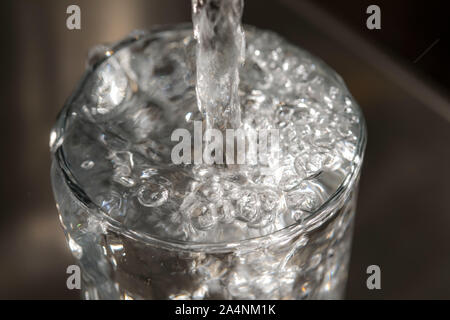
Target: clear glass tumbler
point(305, 260)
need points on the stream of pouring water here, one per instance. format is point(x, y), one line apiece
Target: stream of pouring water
point(220, 52)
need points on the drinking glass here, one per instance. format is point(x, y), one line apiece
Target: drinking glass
point(305, 260)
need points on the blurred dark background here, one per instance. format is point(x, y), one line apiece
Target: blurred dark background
point(399, 75)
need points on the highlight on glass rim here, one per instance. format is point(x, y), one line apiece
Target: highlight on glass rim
point(237, 151)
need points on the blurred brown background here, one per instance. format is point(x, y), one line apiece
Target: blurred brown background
point(403, 219)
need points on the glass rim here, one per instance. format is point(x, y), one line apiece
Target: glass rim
point(317, 217)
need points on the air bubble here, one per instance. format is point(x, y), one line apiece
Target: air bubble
point(204, 217)
point(109, 89)
point(152, 195)
point(248, 206)
point(87, 165)
point(304, 198)
point(269, 200)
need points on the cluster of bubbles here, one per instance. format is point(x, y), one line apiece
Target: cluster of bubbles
point(144, 92)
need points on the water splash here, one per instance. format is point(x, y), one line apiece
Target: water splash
point(220, 51)
point(126, 148)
